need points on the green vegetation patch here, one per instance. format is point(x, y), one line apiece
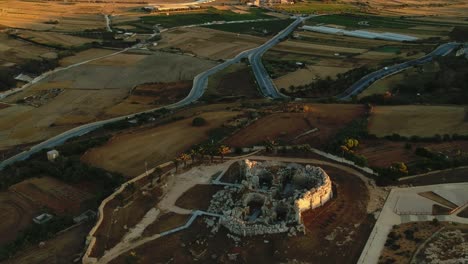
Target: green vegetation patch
point(311, 7)
point(389, 49)
point(211, 14)
point(443, 81)
point(261, 28)
point(361, 21)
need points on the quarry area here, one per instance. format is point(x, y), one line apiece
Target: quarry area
point(228, 131)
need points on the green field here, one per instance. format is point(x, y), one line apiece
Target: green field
point(311, 7)
point(388, 49)
point(352, 21)
point(207, 15)
point(261, 28)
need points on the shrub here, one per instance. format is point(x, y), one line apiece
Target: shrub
point(198, 121)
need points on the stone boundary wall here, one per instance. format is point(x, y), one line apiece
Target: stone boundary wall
point(91, 239)
point(318, 152)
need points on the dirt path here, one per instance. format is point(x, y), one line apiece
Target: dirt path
point(179, 184)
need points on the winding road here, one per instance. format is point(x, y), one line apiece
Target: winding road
point(199, 85)
point(367, 80)
point(265, 83)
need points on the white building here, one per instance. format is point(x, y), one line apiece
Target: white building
point(52, 155)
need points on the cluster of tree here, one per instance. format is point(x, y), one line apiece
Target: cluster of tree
point(459, 33)
point(39, 66)
point(67, 169)
point(277, 68)
point(436, 161)
point(35, 234)
point(448, 85)
point(435, 138)
point(7, 80)
point(328, 86)
point(200, 152)
point(349, 136)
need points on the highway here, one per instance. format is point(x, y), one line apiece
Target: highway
point(266, 85)
point(200, 83)
point(367, 80)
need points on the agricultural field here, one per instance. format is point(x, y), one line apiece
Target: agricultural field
point(317, 7)
point(402, 25)
point(204, 16)
point(262, 28)
point(85, 55)
point(127, 153)
point(66, 99)
point(151, 95)
point(414, 120)
point(207, 43)
point(52, 39)
point(236, 81)
point(443, 81)
point(54, 194)
point(384, 153)
point(286, 127)
point(66, 246)
point(18, 213)
point(14, 51)
point(53, 16)
point(430, 9)
point(326, 56)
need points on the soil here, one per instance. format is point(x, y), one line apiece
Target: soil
point(166, 222)
point(198, 197)
point(285, 127)
point(122, 215)
point(417, 120)
point(64, 248)
point(239, 83)
point(127, 153)
point(49, 192)
point(17, 213)
point(151, 95)
point(347, 220)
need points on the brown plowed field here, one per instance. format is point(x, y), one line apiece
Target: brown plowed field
point(328, 118)
point(16, 213)
point(127, 153)
point(54, 194)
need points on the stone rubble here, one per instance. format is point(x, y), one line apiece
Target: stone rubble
point(270, 199)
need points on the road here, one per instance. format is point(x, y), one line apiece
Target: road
point(266, 85)
point(367, 80)
point(199, 85)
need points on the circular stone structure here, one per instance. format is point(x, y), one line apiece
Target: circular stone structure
point(271, 197)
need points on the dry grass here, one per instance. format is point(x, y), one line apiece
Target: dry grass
point(424, 121)
point(108, 82)
point(208, 43)
point(328, 118)
point(66, 247)
point(53, 38)
point(49, 192)
point(127, 153)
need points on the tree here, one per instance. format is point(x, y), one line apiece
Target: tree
point(198, 121)
point(176, 163)
point(184, 157)
point(223, 150)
